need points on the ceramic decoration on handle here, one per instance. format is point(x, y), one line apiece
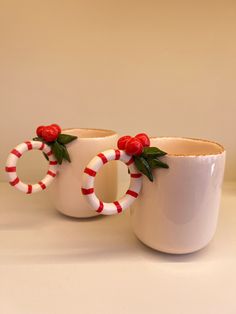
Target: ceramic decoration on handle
point(178, 212)
point(140, 158)
point(90, 173)
point(17, 153)
point(65, 191)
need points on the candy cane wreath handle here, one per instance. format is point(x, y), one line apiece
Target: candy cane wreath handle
point(13, 158)
point(88, 180)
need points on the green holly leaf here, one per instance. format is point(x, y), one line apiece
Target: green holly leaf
point(153, 151)
point(66, 138)
point(40, 139)
point(143, 166)
point(66, 154)
point(46, 156)
point(156, 163)
point(58, 152)
point(58, 147)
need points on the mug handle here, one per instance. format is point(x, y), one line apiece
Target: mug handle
point(88, 180)
point(13, 158)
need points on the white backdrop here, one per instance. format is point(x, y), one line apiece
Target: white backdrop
point(163, 67)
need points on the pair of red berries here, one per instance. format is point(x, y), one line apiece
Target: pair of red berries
point(49, 133)
point(134, 145)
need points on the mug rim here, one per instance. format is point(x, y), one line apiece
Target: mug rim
point(221, 148)
point(107, 133)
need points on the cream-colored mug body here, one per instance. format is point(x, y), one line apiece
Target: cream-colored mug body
point(65, 191)
point(177, 213)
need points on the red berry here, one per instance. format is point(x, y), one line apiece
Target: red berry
point(49, 133)
point(57, 127)
point(134, 147)
point(144, 139)
point(121, 144)
point(39, 130)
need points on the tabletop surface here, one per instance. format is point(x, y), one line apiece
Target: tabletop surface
point(50, 263)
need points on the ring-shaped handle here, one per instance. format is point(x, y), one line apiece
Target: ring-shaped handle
point(88, 181)
point(13, 158)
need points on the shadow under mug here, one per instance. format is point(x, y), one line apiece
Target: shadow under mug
point(178, 212)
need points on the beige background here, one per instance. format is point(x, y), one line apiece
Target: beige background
point(164, 67)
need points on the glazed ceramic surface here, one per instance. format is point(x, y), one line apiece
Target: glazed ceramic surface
point(178, 212)
point(66, 189)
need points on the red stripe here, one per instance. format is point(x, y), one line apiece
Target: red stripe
point(43, 186)
point(117, 152)
point(14, 182)
point(51, 173)
point(132, 193)
point(100, 208)
point(29, 145)
point(52, 162)
point(103, 157)
point(42, 146)
point(91, 172)
point(130, 161)
point(118, 206)
point(29, 189)
point(87, 191)
point(16, 152)
point(49, 153)
point(136, 175)
point(10, 169)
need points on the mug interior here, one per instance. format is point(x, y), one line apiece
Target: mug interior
point(89, 133)
point(178, 146)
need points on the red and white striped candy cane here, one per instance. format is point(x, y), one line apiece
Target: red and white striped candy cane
point(89, 177)
point(13, 158)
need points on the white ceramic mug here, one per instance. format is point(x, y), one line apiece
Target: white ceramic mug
point(66, 188)
point(177, 213)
